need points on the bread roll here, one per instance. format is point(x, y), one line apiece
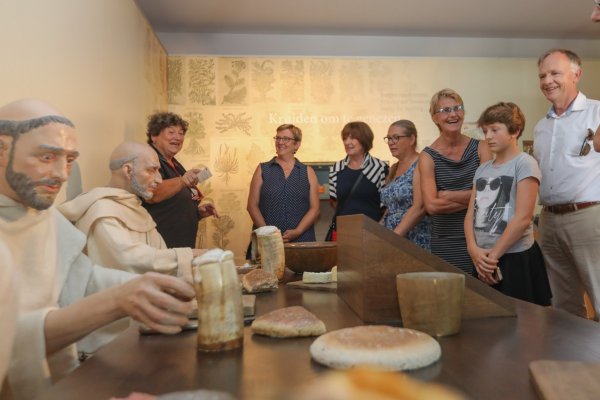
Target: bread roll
point(288, 322)
point(259, 280)
point(378, 346)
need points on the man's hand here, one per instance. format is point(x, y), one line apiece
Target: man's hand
point(206, 210)
point(161, 302)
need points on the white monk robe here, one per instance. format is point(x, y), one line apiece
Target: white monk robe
point(8, 308)
point(121, 233)
point(53, 272)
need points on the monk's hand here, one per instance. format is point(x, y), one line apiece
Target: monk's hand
point(161, 302)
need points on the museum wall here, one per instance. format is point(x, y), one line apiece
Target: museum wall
point(97, 61)
point(234, 105)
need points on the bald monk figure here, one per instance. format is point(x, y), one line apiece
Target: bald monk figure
point(120, 232)
point(63, 296)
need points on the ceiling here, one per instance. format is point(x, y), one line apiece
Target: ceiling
point(549, 19)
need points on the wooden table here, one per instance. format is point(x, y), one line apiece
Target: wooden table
point(487, 360)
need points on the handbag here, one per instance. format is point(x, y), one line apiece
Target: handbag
point(331, 235)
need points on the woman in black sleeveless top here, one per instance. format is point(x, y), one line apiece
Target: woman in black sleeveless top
point(447, 168)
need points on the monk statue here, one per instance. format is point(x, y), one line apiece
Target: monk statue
point(63, 295)
point(120, 232)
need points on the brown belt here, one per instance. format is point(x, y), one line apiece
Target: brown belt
point(567, 208)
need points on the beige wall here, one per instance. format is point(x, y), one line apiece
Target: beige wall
point(234, 105)
point(96, 60)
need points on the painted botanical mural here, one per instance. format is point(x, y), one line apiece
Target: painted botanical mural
point(234, 104)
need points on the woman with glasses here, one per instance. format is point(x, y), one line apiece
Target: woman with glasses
point(284, 191)
point(447, 168)
point(355, 181)
point(499, 221)
point(401, 195)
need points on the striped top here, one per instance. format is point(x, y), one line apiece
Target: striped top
point(284, 201)
point(365, 199)
point(373, 169)
point(447, 230)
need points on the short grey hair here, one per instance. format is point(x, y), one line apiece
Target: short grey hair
point(574, 59)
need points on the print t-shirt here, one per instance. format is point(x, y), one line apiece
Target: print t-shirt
point(496, 197)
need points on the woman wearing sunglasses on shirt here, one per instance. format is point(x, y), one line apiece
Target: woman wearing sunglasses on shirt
point(499, 221)
point(447, 168)
point(284, 191)
point(401, 195)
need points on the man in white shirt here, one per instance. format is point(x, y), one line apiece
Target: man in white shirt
point(63, 296)
point(569, 190)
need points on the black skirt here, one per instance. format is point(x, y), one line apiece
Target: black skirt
point(524, 276)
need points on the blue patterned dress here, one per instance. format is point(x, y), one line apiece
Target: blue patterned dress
point(397, 196)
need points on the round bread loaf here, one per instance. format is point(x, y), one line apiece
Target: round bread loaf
point(379, 346)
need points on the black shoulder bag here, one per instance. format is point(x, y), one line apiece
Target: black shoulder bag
point(332, 231)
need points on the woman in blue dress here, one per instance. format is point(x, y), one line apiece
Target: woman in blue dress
point(284, 191)
point(405, 213)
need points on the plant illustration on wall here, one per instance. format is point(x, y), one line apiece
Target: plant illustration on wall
point(201, 75)
point(230, 202)
point(236, 84)
point(175, 80)
point(194, 134)
point(223, 225)
point(263, 79)
point(292, 80)
point(226, 163)
point(234, 122)
point(321, 81)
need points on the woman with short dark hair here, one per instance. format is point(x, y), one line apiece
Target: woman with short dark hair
point(355, 181)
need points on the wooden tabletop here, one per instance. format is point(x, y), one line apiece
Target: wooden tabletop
point(488, 359)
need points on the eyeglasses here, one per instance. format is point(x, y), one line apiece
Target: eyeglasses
point(393, 139)
point(482, 183)
point(585, 146)
point(282, 139)
point(448, 110)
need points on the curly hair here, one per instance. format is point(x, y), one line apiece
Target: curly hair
point(161, 120)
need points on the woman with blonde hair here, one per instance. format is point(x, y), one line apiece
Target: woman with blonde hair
point(284, 191)
point(447, 168)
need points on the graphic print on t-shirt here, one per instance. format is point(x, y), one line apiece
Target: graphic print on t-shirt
point(492, 204)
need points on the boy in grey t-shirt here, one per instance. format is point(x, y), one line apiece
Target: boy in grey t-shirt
point(499, 220)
